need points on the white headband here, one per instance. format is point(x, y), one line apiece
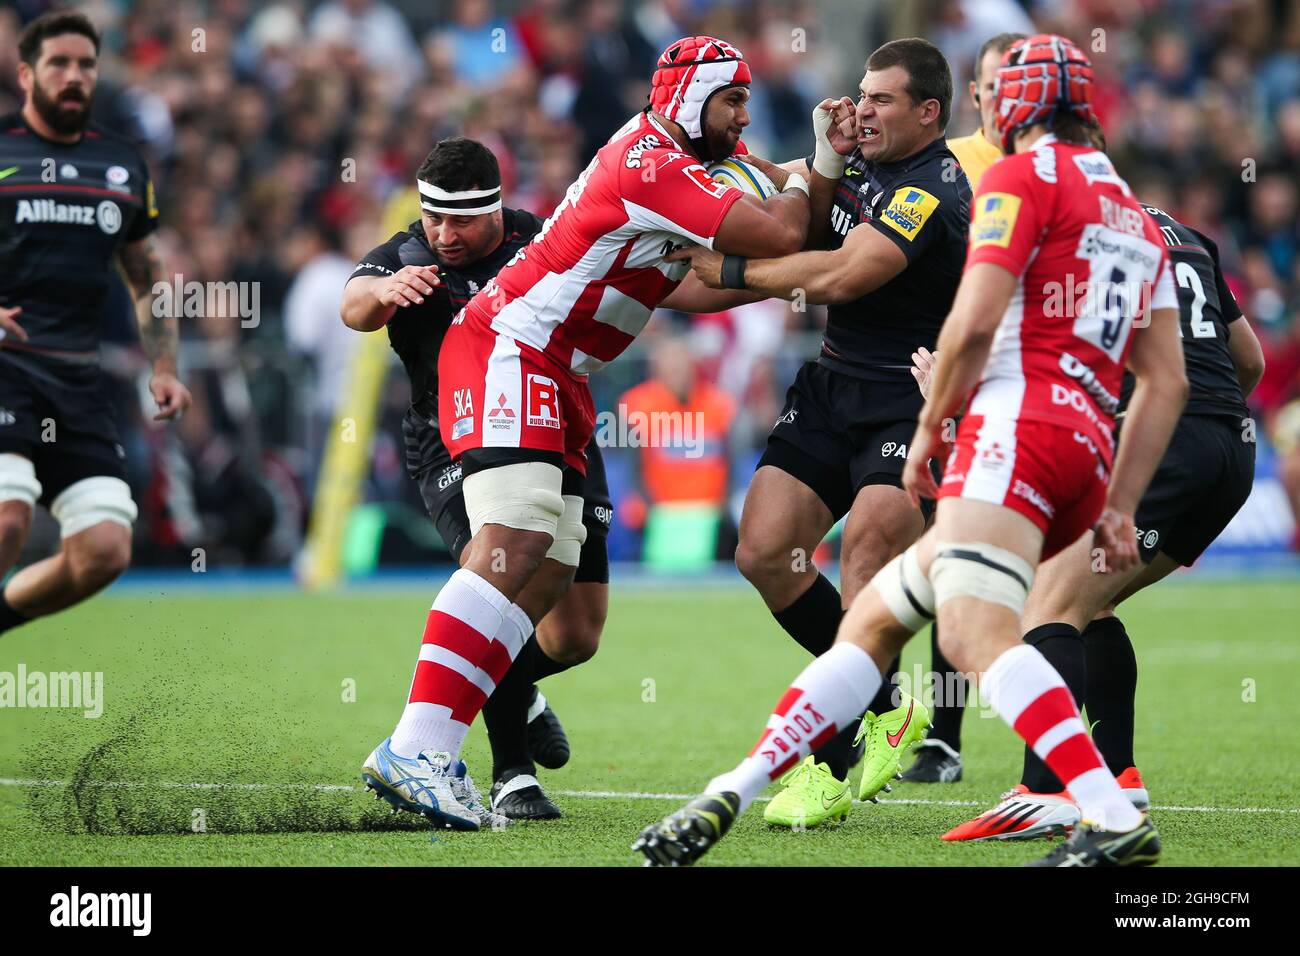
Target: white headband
point(466, 202)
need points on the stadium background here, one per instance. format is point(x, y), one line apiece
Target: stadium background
point(284, 136)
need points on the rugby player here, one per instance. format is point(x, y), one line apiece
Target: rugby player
point(938, 756)
point(413, 285)
point(1031, 466)
point(514, 409)
point(893, 211)
point(73, 199)
point(1203, 480)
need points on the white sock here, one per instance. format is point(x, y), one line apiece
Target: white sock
point(1029, 694)
point(466, 617)
point(830, 693)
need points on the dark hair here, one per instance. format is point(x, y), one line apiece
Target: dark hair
point(459, 163)
point(1068, 128)
point(54, 24)
point(928, 75)
point(1097, 136)
point(1002, 43)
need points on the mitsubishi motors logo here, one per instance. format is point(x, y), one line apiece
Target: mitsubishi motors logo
point(501, 419)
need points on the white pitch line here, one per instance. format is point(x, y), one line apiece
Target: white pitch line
point(578, 794)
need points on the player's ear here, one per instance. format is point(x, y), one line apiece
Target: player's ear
point(974, 93)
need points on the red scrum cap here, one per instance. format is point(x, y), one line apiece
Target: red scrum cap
point(688, 73)
point(1040, 75)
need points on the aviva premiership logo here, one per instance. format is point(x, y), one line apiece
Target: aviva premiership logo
point(995, 220)
point(908, 211)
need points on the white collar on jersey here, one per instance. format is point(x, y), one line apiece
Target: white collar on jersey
point(655, 124)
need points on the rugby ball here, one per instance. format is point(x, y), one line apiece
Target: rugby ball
point(744, 176)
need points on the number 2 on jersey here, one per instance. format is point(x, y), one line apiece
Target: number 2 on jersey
point(1189, 278)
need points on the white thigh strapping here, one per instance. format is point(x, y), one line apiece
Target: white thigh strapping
point(90, 501)
point(983, 571)
point(18, 480)
point(525, 496)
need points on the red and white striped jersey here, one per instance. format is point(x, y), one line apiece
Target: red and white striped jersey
point(1090, 266)
point(584, 288)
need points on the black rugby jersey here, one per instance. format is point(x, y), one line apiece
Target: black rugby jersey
point(416, 332)
point(922, 203)
point(1206, 310)
point(65, 212)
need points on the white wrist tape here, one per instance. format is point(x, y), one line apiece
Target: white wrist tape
point(795, 181)
point(826, 162)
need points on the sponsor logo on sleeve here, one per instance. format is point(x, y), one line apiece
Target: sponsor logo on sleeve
point(995, 220)
point(908, 211)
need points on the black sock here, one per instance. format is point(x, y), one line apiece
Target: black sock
point(505, 715)
point(544, 666)
point(813, 621)
point(9, 618)
point(950, 690)
point(814, 617)
point(1112, 688)
point(884, 699)
point(1062, 645)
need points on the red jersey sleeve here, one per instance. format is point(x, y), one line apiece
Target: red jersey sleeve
point(1008, 215)
point(672, 192)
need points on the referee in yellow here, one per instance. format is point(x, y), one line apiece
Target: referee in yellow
point(978, 151)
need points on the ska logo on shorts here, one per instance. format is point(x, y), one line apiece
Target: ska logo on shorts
point(1149, 539)
point(892, 449)
point(543, 402)
point(787, 418)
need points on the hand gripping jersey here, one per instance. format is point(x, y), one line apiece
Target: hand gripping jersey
point(586, 285)
point(416, 332)
point(1090, 264)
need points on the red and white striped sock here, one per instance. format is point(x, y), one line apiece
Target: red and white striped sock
point(1030, 695)
point(830, 693)
point(471, 637)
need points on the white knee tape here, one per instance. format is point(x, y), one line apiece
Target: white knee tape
point(570, 533)
point(906, 591)
point(980, 571)
point(525, 496)
point(18, 480)
point(90, 501)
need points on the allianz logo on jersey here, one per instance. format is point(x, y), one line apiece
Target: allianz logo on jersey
point(107, 215)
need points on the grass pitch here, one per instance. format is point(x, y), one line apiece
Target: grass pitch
point(245, 717)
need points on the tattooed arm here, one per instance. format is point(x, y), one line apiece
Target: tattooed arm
point(142, 267)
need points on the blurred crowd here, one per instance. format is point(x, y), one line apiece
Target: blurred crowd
point(284, 137)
